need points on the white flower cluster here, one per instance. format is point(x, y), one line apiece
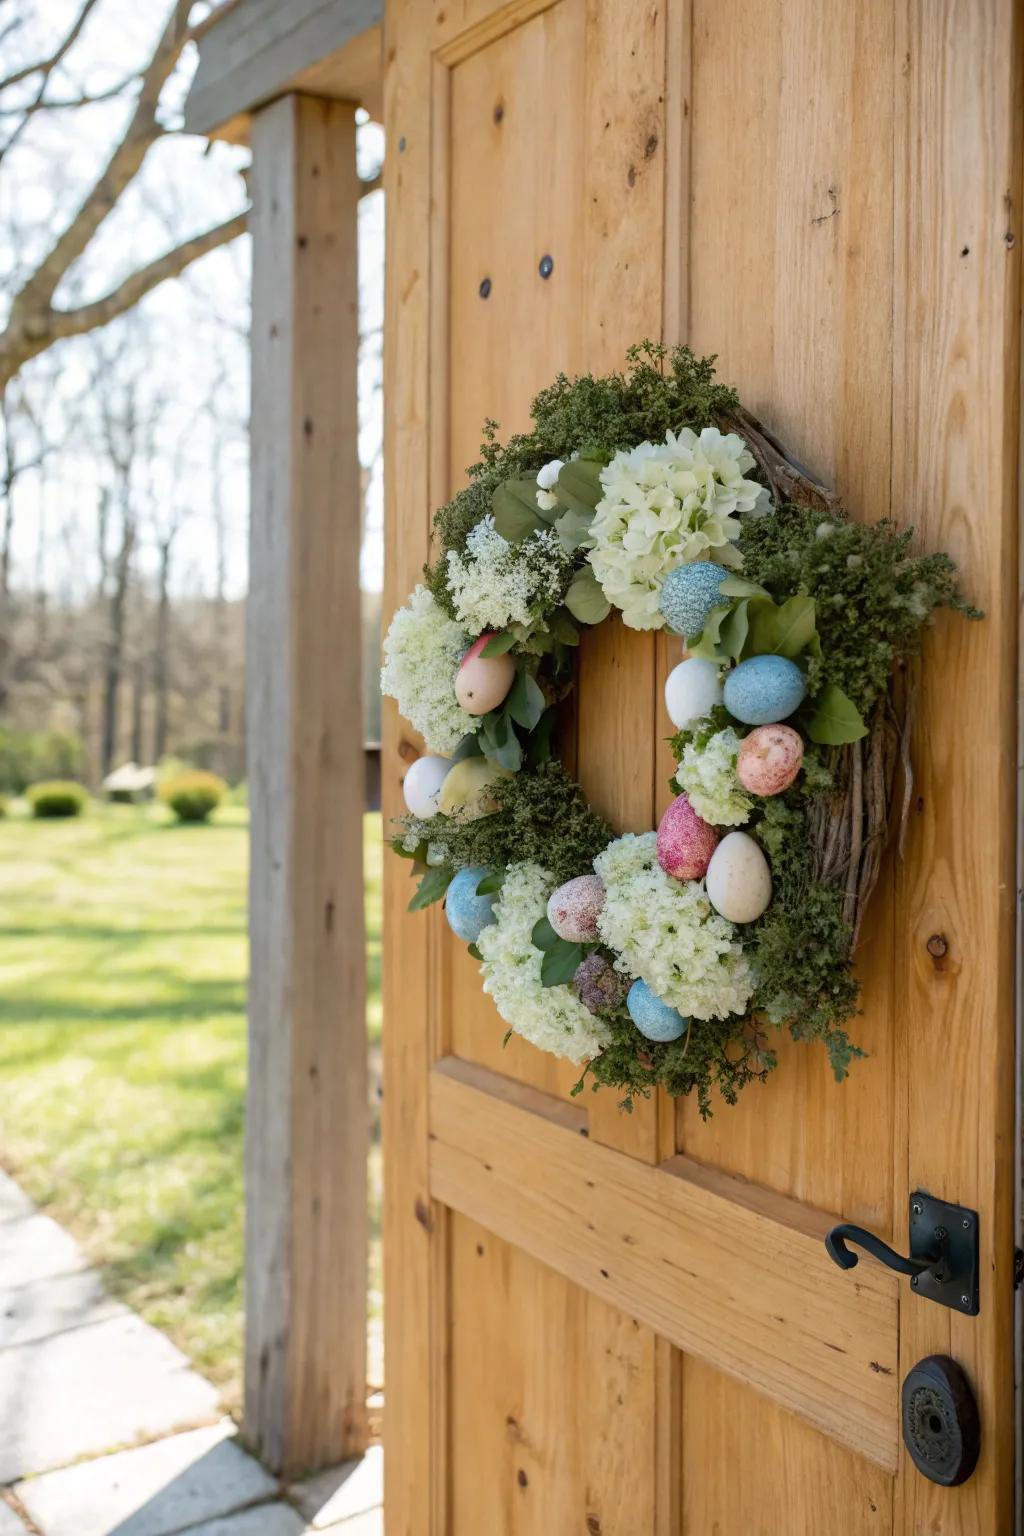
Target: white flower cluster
point(664, 505)
point(552, 1018)
point(707, 775)
point(496, 583)
point(667, 932)
point(422, 651)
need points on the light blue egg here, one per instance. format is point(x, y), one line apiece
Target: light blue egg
point(764, 690)
point(468, 914)
point(688, 595)
point(654, 1019)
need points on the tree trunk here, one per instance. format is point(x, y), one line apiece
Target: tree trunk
point(161, 671)
point(114, 666)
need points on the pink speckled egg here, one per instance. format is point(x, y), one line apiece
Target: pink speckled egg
point(573, 909)
point(769, 759)
point(482, 682)
point(685, 841)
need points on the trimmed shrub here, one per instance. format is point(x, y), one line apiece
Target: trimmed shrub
point(193, 796)
point(57, 797)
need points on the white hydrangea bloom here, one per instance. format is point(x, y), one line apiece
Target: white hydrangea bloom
point(708, 776)
point(422, 651)
point(667, 932)
point(552, 1018)
point(547, 476)
point(496, 583)
point(666, 504)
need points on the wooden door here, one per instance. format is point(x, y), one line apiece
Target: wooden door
point(620, 1325)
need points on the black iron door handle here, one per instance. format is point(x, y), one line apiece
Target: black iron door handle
point(838, 1238)
point(943, 1259)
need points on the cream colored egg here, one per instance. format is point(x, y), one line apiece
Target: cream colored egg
point(738, 881)
point(422, 784)
point(468, 789)
point(482, 682)
point(691, 690)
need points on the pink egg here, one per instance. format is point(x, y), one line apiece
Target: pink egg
point(482, 682)
point(769, 759)
point(685, 841)
point(573, 909)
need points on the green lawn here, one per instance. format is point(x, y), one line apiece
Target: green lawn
point(122, 1053)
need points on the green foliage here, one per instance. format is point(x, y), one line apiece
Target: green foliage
point(26, 757)
point(544, 819)
point(193, 796)
point(872, 597)
point(57, 798)
point(662, 389)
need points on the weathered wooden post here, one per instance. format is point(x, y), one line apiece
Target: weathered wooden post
point(305, 1378)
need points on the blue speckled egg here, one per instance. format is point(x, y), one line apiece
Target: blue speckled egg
point(764, 690)
point(468, 914)
point(654, 1019)
point(688, 595)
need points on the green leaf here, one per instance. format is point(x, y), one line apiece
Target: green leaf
point(432, 887)
point(732, 636)
point(516, 513)
point(543, 935)
point(560, 963)
point(469, 746)
point(573, 529)
point(498, 644)
point(491, 883)
point(780, 631)
point(707, 644)
point(474, 951)
point(538, 748)
point(500, 742)
point(836, 719)
point(584, 599)
point(578, 486)
point(419, 853)
point(525, 702)
point(739, 586)
point(563, 628)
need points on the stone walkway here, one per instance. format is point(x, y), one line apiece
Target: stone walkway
point(105, 1430)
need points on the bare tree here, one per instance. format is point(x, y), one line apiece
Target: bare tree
point(35, 320)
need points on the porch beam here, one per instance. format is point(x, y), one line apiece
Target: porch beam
point(307, 1129)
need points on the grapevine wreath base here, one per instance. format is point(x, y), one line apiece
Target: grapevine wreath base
point(665, 958)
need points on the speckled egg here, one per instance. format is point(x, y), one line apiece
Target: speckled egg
point(764, 689)
point(468, 788)
point(573, 909)
point(482, 682)
point(598, 984)
point(688, 595)
point(654, 1019)
point(769, 759)
point(739, 882)
point(468, 914)
point(691, 690)
point(685, 841)
point(422, 784)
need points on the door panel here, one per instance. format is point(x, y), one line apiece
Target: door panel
point(621, 1324)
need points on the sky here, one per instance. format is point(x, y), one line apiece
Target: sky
point(182, 357)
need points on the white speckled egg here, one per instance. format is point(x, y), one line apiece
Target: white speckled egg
point(574, 908)
point(739, 882)
point(422, 784)
point(482, 682)
point(691, 690)
point(468, 789)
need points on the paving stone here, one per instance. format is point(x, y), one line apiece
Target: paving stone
point(370, 1524)
point(268, 1520)
point(10, 1525)
point(353, 1488)
point(150, 1491)
point(93, 1389)
point(30, 1312)
point(33, 1248)
point(13, 1200)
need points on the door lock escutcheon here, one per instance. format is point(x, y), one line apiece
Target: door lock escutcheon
point(943, 1259)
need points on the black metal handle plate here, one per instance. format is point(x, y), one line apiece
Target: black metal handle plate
point(941, 1427)
point(943, 1259)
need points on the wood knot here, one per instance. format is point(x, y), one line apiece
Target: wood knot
point(522, 1479)
point(423, 1216)
point(938, 946)
point(593, 1525)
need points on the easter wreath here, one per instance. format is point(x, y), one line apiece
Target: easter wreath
point(664, 958)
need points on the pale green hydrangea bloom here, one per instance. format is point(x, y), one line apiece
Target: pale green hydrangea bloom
point(551, 1018)
point(667, 932)
point(666, 504)
point(707, 775)
point(422, 651)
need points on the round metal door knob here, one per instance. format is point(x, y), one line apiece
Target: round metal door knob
point(941, 1428)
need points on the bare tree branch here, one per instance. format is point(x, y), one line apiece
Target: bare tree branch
point(48, 65)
